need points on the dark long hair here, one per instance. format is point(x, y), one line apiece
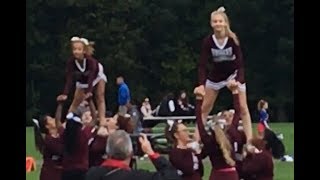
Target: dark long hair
point(38, 131)
point(185, 101)
point(71, 135)
point(125, 123)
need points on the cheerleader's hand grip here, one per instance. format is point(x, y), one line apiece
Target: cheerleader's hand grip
point(199, 91)
point(62, 98)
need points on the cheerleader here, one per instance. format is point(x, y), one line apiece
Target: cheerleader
point(89, 76)
point(217, 144)
point(258, 163)
point(235, 131)
point(98, 141)
point(76, 150)
point(185, 156)
point(48, 141)
point(222, 50)
point(100, 133)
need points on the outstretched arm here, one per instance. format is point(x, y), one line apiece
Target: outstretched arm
point(206, 139)
point(236, 105)
point(58, 114)
point(204, 56)
point(93, 109)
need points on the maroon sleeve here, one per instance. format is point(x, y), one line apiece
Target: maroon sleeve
point(182, 162)
point(204, 56)
point(99, 144)
point(236, 105)
point(92, 65)
point(240, 64)
point(203, 154)
point(205, 138)
point(69, 70)
point(87, 131)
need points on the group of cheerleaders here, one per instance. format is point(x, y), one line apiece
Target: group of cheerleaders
point(71, 147)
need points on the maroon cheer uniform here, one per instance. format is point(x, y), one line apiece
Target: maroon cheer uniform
point(258, 166)
point(237, 138)
point(220, 169)
point(86, 73)
point(52, 157)
point(97, 149)
point(224, 63)
point(78, 162)
point(188, 164)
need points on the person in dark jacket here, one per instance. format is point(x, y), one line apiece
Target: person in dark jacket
point(116, 166)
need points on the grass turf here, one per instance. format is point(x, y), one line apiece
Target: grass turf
point(282, 171)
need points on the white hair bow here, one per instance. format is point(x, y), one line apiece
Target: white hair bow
point(36, 122)
point(71, 116)
point(232, 111)
point(83, 40)
point(170, 123)
point(220, 122)
point(221, 9)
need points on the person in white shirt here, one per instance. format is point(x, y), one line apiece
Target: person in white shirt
point(146, 108)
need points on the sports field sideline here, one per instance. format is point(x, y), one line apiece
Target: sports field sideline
point(283, 170)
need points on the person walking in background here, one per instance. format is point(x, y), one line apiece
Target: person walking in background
point(123, 95)
point(263, 117)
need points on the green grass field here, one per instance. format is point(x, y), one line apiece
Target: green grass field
point(283, 170)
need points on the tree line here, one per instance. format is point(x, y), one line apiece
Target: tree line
point(155, 44)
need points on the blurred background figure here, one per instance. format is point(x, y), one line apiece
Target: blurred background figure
point(123, 95)
point(146, 109)
point(184, 107)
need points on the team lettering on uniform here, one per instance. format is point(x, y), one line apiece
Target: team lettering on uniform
point(220, 55)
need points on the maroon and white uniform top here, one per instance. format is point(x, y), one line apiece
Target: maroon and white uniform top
point(88, 72)
point(224, 62)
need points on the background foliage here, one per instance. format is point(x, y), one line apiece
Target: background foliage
point(155, 44)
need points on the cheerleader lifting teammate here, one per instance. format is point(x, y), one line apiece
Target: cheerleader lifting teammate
point(223, 50)
point(89, 76)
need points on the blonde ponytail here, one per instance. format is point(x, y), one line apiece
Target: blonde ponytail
point(224, 144)
point(233, 35)
point(90, 48)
